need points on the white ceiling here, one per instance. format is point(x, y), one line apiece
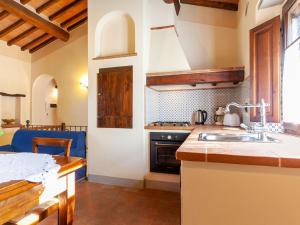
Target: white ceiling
point(269, 3)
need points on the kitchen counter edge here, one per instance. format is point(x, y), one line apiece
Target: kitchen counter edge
point(285, 154)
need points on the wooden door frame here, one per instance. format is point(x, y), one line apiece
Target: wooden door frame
point(289, 128)
point(277, 108)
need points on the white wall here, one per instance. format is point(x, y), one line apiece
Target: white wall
point(117, 152)
point(67, 63)
point(160, 14)
point(208, 36)
point(15, 75)
point(15, 79)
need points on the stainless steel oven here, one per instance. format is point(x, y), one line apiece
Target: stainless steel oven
point(163, 151)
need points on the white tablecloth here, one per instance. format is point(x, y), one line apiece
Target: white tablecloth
point(28, 166)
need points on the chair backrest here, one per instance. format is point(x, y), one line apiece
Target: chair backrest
point(60, 142)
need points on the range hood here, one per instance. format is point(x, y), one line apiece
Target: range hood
point(166, 53)
point(170, 69)
point(210, 78)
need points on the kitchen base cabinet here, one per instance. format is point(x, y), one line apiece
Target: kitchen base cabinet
point(228, 194)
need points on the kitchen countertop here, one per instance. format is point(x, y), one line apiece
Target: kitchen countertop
point(189, 128)
point(284, 154)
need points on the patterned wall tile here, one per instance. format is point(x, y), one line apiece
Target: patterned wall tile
point(152, 105)
point(180, 105)
point(245, 98)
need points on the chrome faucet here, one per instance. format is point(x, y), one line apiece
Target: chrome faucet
point(260, 129)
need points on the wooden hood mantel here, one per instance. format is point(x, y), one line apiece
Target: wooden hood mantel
point(193, 77)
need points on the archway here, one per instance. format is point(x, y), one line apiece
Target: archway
point(115, 35)
point(44, 101)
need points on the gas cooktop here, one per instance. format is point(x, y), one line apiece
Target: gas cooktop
point(168, 123)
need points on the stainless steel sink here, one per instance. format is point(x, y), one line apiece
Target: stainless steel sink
point(235, 138)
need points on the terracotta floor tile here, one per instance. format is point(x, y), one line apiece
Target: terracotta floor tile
point(98, 204)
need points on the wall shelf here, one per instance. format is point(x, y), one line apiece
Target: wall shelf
point(12, 95)
point(233, 75)
point(115, 56)
point(5, 126)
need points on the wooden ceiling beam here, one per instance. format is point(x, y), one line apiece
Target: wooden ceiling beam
point(38, 47)
point(46, 5)
point(22, 36)
point(219, 4)
point(24, 2)
point(20, 11)
point(36, 42)
point(64, 10)
point(51, 39)
point(4, 14)
point(74, 19)
point(11, 28)
point(75, 25)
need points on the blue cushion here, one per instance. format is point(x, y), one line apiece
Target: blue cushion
point(6, 148)
point(22, 142)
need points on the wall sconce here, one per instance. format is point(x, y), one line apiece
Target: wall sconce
point(1, 132)
point(84, 82)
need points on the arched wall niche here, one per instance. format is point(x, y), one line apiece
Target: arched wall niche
point(44, 100)
point(115, 35)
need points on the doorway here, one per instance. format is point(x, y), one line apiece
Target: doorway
point(44, 101)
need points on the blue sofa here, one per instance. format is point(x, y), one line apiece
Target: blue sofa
point(22, 142)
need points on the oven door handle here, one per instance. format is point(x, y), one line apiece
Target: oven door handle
point(167, 145)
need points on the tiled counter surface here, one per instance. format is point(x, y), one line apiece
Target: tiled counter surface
point(286, 153)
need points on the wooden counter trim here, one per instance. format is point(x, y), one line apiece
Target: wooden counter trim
point(191, 156)
point(235, 159)
point(239, 159)
point(190, 151)
point(289, 163)
point(243, 160)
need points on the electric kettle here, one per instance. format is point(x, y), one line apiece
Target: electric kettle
point(200, 117)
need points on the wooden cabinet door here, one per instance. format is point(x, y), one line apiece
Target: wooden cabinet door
point(115, 97)
point(265, 68)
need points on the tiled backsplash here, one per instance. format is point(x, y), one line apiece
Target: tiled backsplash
point(245, 98)
point(152, 106)
point(180, 105)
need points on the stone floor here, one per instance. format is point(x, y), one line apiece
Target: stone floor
point(98, 204)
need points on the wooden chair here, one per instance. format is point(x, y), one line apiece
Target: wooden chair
point(41, 212)
point(65, 143)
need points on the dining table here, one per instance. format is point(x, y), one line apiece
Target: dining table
point(17, 198)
